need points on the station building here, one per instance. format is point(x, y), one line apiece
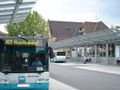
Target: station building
point(101, 43)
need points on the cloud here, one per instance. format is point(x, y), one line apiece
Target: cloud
point(80, 10)
point(66, 9)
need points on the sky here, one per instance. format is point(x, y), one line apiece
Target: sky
point(80, 10)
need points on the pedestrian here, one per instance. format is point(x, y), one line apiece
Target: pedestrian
point(85, 59)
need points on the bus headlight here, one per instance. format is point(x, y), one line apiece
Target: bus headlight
point(42, 80)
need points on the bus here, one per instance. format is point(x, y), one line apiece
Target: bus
point(17, 71)
point(59, 57)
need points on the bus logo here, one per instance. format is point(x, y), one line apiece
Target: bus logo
point(21, 79)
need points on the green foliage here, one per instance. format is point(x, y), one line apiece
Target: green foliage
point(33, 25)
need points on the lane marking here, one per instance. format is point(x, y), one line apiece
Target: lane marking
point(65, 64)
point(99, 69)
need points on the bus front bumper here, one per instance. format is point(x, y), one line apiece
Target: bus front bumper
point(31, 86)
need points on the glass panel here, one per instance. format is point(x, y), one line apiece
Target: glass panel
point(6, 8)
point(7, 2)
point(22, 11)
point(6, 12)
point(26, 6)
point(21, 16)
point(4, 21)
point(3, 17)
point(29, 1)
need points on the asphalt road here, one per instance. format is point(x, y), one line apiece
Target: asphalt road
point(84, 79)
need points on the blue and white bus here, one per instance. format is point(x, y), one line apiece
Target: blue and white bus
point(16, 57)
point(59, 57)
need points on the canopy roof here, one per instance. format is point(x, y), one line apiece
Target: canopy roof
point(14, 11)
point(99, 37)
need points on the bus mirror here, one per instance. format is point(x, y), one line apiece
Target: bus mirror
point(2, 42)
point(50, 52)
point(1, 45)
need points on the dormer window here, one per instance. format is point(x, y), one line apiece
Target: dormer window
point(81, 30)
point(68, 29)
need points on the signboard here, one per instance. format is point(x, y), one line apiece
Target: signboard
point(23, 42)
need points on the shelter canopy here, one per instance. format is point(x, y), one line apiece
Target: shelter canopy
point(14, 11)
point(99, 37)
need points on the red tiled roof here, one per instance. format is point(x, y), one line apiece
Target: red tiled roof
point(94, 26)
point(63, 30)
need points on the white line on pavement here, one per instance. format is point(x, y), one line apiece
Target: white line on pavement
point(65, 64)
point(113, 70)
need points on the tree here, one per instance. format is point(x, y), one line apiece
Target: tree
point(33, 25)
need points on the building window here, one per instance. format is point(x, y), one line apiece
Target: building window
point(81, 31)
point(68, 29)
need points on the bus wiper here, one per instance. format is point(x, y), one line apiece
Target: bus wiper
point(23, 38)
point(6, 70)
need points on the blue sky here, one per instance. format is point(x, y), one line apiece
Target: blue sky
point(80, 10)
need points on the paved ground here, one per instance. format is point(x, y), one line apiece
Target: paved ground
point(100, 68)
point(57, 85)
point(95, 67)
point(85, 76)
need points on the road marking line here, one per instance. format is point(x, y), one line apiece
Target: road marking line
point(65, 64)
point(105, 70)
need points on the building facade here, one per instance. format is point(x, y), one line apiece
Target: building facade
point(61, 30)
point(104, 53)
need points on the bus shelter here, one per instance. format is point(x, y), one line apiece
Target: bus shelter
point(14, 11)
point(104, 45)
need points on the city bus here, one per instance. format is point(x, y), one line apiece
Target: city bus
point(59, 57)
point(17, 55)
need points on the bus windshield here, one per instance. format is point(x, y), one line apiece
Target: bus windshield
point(22, 59)
point(60, 53)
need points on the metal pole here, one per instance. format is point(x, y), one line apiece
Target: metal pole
point(95, 53)
point(106, 53)
point(18, 2)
